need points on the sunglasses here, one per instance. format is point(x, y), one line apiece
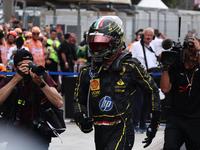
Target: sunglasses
point(35, 33)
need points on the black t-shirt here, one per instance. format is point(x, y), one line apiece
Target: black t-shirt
point(74, 49)
point(68, 51)
point(185, 99)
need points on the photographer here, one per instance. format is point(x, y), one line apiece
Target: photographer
point(182, 81)
point(31, 92)
point(14, 23)
point(157, 42)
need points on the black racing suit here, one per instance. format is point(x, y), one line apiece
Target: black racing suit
point(111, 102)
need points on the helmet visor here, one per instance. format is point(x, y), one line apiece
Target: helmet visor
point(99, 42)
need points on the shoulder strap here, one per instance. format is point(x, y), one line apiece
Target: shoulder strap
point(117, 64)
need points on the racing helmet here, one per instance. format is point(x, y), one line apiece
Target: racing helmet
point(36, 29)
point(105, 38)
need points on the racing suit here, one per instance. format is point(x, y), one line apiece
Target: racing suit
point(111, 95)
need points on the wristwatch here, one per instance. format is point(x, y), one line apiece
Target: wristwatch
point(198, 52)
point(42, 84)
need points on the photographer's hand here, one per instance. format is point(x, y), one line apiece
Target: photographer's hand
point(36, 79)
point(21, 71)
point(50, 92)
point(7, 89)
point(163, 36)
point(196, 43)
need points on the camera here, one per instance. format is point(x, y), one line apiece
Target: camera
point(39, 125)
point(188, 43)
point(49, 48)
point(38, 70)
point(16, 22)
point(175, 56)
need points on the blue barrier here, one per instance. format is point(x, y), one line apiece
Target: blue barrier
point(7, 73)
point(157, 74)
point(63, 73)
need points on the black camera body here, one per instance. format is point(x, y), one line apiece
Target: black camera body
point(38, 70)
point(188, 43)
point(16, 22)
point(175, 56)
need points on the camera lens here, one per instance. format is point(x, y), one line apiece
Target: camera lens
point(39, 70)
point(169, 58)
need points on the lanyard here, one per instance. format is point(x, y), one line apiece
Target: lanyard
point(149, 48)
point(189, 82)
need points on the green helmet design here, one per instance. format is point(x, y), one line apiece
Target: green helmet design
point(105, 38)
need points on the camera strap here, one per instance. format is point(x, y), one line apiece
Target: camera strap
point(23, 97)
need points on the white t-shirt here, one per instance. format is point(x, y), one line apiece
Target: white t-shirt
point(137, 51)
point(14, 48)
point(158, 45)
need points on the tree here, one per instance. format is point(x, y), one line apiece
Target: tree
point(135, 2)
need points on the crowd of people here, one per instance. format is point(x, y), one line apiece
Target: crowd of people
point(50, 47)
point(115, 90)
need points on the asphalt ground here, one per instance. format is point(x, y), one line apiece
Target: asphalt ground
point(74, 139)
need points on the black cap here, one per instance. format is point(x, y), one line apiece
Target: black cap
point(20, 54)
point(67, 35)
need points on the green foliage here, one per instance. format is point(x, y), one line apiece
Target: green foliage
point(171, 3)
point(135, 2)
